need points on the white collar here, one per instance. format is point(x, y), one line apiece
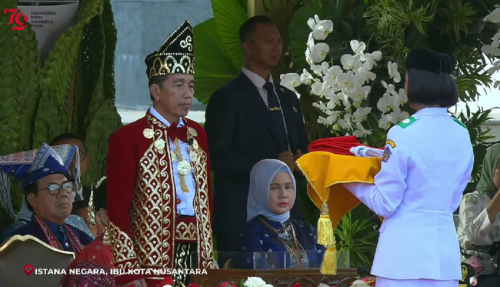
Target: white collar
point(257, 80)
point(157, 115)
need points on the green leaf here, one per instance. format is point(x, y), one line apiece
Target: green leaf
point(229, 15)
point(214, 67)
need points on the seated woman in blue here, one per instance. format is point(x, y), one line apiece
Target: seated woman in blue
point(290, 243)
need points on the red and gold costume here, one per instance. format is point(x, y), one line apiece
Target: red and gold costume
point(144, 228)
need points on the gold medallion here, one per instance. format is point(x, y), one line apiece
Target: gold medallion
point(193, 155)
point(184, 167)
point(160, 144)
point(192, 132)
point(195, 144)
point(148, 133)
point(173, 156)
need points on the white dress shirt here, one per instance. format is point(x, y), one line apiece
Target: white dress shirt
point(186, 206)
point(259, 83)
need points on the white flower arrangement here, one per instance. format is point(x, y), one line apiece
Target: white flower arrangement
point(256, 282)
point(342, 91)
point(493, 49)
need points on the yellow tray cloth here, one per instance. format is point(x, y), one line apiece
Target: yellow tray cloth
point(326, 173)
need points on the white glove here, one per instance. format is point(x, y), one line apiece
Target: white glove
point(363, 151)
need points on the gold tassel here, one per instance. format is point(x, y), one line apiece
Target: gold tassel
point(106, 239)
point(325, 229)
point(329, 265)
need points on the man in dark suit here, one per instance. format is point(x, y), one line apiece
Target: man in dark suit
point(249, 119)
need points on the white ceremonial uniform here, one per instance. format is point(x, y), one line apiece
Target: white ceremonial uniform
point(426, 166)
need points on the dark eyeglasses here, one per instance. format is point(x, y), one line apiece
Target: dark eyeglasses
point(55, 189)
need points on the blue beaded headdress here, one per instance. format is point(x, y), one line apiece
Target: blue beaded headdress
point(30, 166)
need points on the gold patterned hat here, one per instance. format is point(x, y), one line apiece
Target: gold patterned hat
point(175, 56)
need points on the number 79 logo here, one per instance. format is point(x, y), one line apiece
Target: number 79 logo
point(17, 18)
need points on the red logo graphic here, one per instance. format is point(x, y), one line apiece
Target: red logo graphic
point(17, 18)
point(28, 269)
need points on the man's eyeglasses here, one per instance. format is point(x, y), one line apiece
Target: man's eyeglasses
point(55, 188)
point(83, 155)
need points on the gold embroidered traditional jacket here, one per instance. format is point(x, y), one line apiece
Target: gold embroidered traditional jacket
point(144, 226)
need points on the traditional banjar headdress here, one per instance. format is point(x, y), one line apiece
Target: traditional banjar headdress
point(30, 166)
point(428, 60)
point(175, 56)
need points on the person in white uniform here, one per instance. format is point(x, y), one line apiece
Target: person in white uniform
point(426, 166)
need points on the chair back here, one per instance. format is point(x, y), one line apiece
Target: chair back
point(30, 253)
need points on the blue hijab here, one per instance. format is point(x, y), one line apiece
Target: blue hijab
point(261, 177)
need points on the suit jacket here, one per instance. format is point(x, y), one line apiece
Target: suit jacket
point(419, 186)
point(144, 228)
point(240, 133)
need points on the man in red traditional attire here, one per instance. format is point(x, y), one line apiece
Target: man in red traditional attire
point(158, 175)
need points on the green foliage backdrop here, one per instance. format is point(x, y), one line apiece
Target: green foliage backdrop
point(73, 91)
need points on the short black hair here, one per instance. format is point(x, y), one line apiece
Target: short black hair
point(158, 80)
point(247, 28)
point(429, 88)
point(32, 188)
point(67, 136)
point(100, 196)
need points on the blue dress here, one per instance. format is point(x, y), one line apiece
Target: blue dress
point(267, 244)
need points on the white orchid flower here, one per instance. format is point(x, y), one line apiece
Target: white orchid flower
point(317, 88)
point(290, 80)
point(313, 22)
point(360, 114)
point(494, 68)
point(322, 29)
point(331, 74)
point(366, 75)
point(319, 52)
point(401, 97)
point(493, 17)
point(306, 78)
point(371, 59)
point(345, 80)
point(383, 123)
point(330, 119)
point(351, 62)
point(320, 106)
point(393, 72)
point(358, 48)
point(360, 93)
point(317, 69)
point(491, 50)
point(397, 116)
point(310, 41)
point(345, 122)
point(361, 131)
point(389, 87)
point(347, 61)
point(385, 103)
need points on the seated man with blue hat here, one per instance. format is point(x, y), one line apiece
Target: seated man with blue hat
point(49, 193)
